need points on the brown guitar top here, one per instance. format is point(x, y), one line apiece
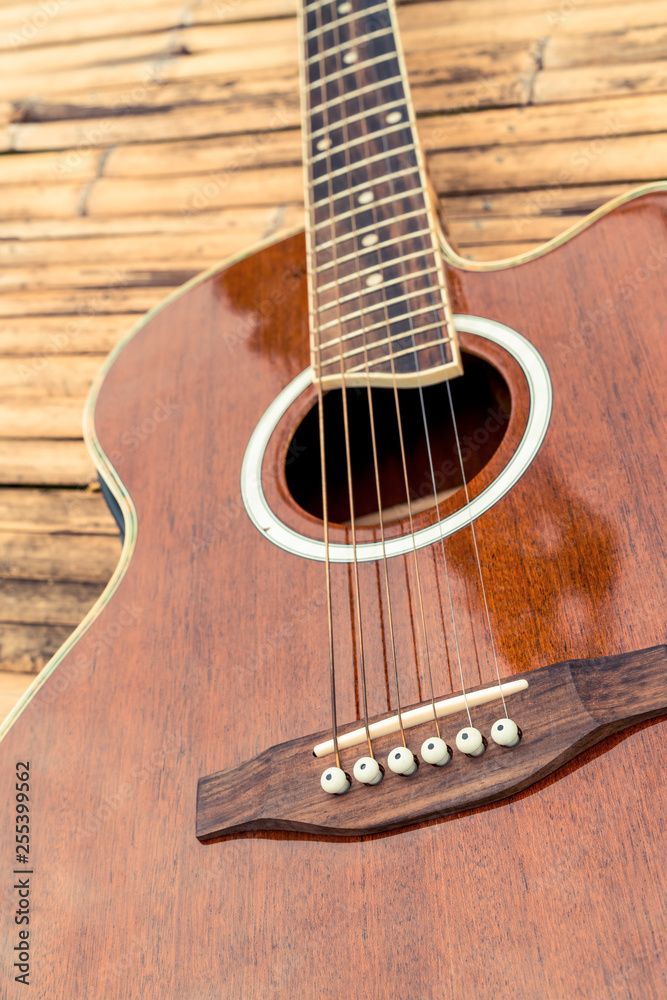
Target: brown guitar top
point(210, 651)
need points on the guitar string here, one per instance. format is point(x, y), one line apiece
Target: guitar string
point(429, 450)
point(425, 423)
point(408, 498)
point(442, 543)
point(320, 409)
point(362, 665)
point(325, 515)
point(458, 447)
point(384, 557)
point(405, 472)
point(444, 555)
point(474, 540)
point(345, 150)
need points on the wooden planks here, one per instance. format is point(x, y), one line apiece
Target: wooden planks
point(144, 142)
point(13, 684)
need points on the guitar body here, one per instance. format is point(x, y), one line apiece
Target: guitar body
point(211, 646)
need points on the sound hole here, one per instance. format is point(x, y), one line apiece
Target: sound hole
point(482, 405)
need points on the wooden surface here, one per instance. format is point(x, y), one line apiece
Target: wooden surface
point(146, 142)
point(211, 649)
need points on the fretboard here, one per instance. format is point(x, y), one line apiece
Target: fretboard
point(378, 300)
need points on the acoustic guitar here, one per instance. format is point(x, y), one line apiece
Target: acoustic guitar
point(371, 704)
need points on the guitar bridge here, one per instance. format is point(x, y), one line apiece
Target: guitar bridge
point(564, 709)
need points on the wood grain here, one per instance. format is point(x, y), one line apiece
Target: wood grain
point(180, 110)
point(221, 660)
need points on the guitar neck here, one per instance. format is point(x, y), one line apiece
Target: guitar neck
point(379, 309)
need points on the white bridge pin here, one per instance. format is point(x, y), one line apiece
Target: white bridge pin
point(505, 733)
point(335, 781)
point(368, 771)
point(402, 761)
point(435, 751)
point(470, 742)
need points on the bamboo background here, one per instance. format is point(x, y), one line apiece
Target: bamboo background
point(140, 145)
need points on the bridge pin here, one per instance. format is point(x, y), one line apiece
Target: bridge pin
point(505, 733)
point(471, 742)
point(368, 771)
point(402, 761)
point(335, 781)
point(435, 751)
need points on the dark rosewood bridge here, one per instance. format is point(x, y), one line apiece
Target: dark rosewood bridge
point(566, 708)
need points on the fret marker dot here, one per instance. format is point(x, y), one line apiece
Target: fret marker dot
point(373, 279)
point(344, 8)
point(350, 57)
point(369, 240)
point(323, 144)
point(365, 197)
point(393, 117)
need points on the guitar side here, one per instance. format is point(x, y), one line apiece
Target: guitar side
point(191, 663)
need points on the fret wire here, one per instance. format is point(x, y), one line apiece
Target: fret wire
point(372, 227)
point(319, 5)
point(438, 307)
point(394, 241)
point(361, 114)
point(377, 288)
point(351, 70)
point(355, 40)
point(380, 343)
point(344, 20)
point(365, 185)
point(351, 94)
point(367, 230)
point(401, 126)
point(399, 354)
point(422, 173)
point(358, 313)
point(371, 269)
point(376, 326)
point(361, 163)
point(365, 208)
